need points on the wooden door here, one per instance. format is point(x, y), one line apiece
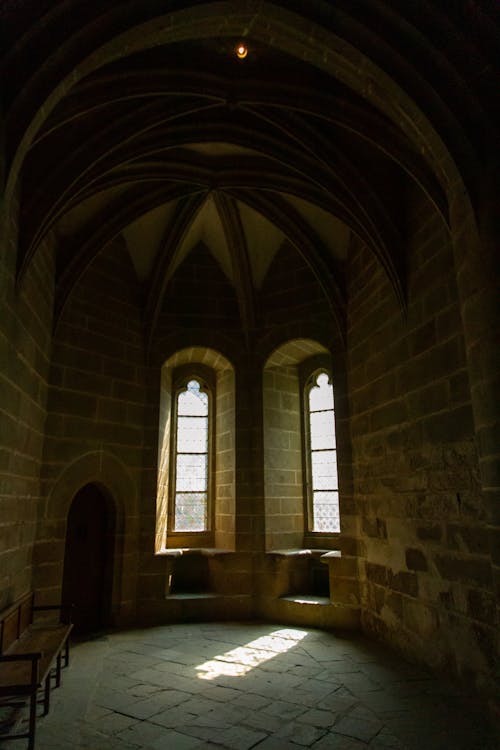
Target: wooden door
point(88, 559)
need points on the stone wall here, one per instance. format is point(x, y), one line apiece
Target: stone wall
point(198, 297)
point(25, 345)
point(224, 460)
point(95, 409)
point(284, 489)
point(292, 298)
point(427, 573)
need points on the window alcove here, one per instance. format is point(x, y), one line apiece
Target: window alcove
point(195, 487)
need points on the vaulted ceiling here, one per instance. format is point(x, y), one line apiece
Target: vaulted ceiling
point(170, 140)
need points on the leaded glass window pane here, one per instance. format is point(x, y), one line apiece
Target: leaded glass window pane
point(322, 434)
point(324, 470)
point(191, 472)
point(323, 456)
point(192, 402)
point(192, 434)
point(191, 511)
point(191, 463)
point(321, 395)
point(326, 511)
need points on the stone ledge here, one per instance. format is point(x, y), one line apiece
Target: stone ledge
point(204, 551)
point(182, 595)
point(194, 596)
point(321, 553)
point(334, 554)
point(308, 599)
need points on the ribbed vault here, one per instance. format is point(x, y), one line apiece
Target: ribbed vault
point(166, 139)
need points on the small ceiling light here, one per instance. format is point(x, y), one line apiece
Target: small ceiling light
point(241, 51)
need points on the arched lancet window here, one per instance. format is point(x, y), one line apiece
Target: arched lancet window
point(195, 490)
point(190, 510)
point(322, 480)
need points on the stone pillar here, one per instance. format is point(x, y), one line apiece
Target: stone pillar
point(249, 492)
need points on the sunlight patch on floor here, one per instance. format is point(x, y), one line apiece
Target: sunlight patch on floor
point(242, 659)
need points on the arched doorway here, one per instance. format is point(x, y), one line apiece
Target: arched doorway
point(88, 559)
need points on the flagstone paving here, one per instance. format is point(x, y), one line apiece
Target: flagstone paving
point(251, 685)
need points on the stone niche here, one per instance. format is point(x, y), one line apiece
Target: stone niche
point(301, 585)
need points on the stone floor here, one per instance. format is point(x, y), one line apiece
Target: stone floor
point(242, 686)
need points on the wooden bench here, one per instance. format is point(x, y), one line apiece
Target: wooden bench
point(31, 657)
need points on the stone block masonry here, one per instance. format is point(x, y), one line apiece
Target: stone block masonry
point(283, 459)
point(415, 466)
point(96, 399)
point(25, 341)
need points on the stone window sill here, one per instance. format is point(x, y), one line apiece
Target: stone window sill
point(307, 599)
point(325, 555)
point(203, 551)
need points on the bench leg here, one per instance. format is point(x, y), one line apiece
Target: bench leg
point(58, 669)
point(66, 653)
point(32, 721)
point(46, 696)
